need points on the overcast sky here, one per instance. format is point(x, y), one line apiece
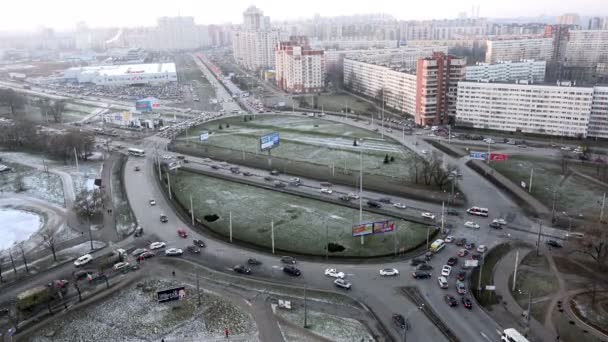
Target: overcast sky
point(63, 14)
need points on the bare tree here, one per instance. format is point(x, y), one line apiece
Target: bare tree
point(1, 262)
point(12, 99)
point(88, 203)
point(49, 240)
point(19, 183)
point(10, 254)
point(55, 108)
point(20, 246)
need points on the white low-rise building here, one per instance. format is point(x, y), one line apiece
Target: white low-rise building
point(528, 108)
point(530, 70)
point(126, 74)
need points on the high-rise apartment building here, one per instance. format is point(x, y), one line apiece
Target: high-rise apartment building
point(586, 48)
point(426, 89)
point(299, 69)
point(530, 70)
point(179, 33)
point(253, 44)
point(569, 19)
point(519, 49)
point(598, 120)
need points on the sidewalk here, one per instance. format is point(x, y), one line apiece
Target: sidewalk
point(502, 272)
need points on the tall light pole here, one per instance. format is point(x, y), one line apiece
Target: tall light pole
point(361, 191)
point(569, 222)
point(407, 317)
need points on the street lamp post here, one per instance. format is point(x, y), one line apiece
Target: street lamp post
point(407, 317)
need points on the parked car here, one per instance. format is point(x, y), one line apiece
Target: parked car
point(182, 233)
point(461, 276)
point(471, 224)
point(421, 275)
point(343, 283)
point(451, 300)
point(199, 243)
point(452, 261)
point(467, 303)
point(554, 243)
point(443, 282)
point(463, 253)
point(469, 245)
point(83, 260)
point(174, 252)
point(241, 269)
point(138, 251)
point(424, 267)
point(389, 272)
point(332, 272)
point(400, 206)
point(446, 270)
point(292, 271)
point(481, 249)
point(193, 249)
point(461, 288)
point(253, 261)
point(157, 245)
point(429, 216)
point(449, 239)
point(288, 260)
point(461, 242)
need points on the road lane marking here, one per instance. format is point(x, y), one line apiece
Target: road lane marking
point(484, 336)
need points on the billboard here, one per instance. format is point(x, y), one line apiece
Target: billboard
point(478, 155)
point(147, 104)
point(498, 157)
point(269, 141)
point(170, 295)
point(204, 136)
point(378, 227)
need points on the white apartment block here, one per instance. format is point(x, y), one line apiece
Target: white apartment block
point(404, 55)
point(519, 49)
point(299, 69)
point(530, 70)
point(528, 108)
point(253, 44)
point(598, 121)
point(370, 79)
point(587, 48)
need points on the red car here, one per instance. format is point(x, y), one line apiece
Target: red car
point(145, 255)
point(182, 233)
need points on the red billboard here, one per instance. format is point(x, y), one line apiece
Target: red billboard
point(383, 227)
point(498, 157)
point(373, 228)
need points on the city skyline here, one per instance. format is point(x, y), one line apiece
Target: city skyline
point(64, 14)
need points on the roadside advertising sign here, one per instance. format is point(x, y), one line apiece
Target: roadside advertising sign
point(384, 227)
point(498, 157)
point(363, 229)
point(269, 141)
point(378, 227)
point(478, 155)
point(170, 295)
point(204, 136)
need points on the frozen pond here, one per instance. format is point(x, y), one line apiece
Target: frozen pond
point(17, 225)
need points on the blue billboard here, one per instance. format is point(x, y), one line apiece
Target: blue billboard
point(147, 104)
point(269, 141)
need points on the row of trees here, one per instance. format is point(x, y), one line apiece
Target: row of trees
point(22, 134)
point(16, 102)
point(430, 171)
point(12, 99)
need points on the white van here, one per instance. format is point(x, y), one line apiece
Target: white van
point(477, 211)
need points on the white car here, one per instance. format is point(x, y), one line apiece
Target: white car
point(446, 270)
point(500, 221)
point(389, 272)
point(174, 252)
point(120, 265)
point(482, 248)
point(429, 216)
point(425, 151)
point(343, 283)
point(167, 157)
point(400, 205)
point(471, 224)
point(326, 191)
point(83, 260)
point(332, 272)
point(443, 282)
point(449, 239)
point(157, 245)
point(152, 202)
point(353, 196)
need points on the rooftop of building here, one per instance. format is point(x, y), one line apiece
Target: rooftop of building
point(563, 84)
point(509, 62)
point(126, 69)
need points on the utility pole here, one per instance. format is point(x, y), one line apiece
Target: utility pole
point(530, 185)
point(515, 272)
point(395, 240)
point(169, 183)
point(602, 210)
point(361, 191)
point(480, 276)
point(160, 175)
point(449, 135)
point(230, 225)
point(90, 233)
point(191, 210)
point(76, 159)
point(382, 114)
point(442, 220)
point(428, 234)
point(272, 234)
point(305, 309)
point(553, 206)
point(540, 229)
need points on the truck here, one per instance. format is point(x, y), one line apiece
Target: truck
point(108, 260)
point(471, 263)
point(29, 300)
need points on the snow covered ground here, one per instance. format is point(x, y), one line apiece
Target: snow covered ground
point(17, 225)
point(331, 327)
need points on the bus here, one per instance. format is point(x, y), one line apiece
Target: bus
point(437, 246)
point(512, 335)
point(136, 152)
point(478, 211)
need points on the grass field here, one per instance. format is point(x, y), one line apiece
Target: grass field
point(310, 140)
point(574, 195)
point(300, 225)
point(338, 103)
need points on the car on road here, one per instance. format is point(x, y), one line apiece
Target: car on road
point(443, 282)
point(453, 212)
point(193, 249)
point(79, 275)
point(288, 260)
point(446, 270)
point(157, 245)
point(425, 151)
point(424, 267)
point(274, 172)
point(467, 303)
point(471, 224)
point(326, 191)
point(449, 239)
point(399, 321)
point(278, 184)
point(389, 272)
point(461, 288)
point(451, 300)
point(481, 249)
point(247, 174)
point(241, 269)
point(145, 255)
point(463, 253)
point(554, 243)
point(461, 276)
point(373, 204)
point(353, 196)
point(163, 218)
point(452, 261)
point(295, 180)
point(139, 231)
point(182, 233)
point(416, 261)
point(292, 271)
point(199, 243)
point(400, 206)
point(429, 216)
point(253, 261)
point(138, 251)
point(384, 200)
point(215, 167)
point(500, 221)
point(120, 265)
point(343, 283)
point(166, 156)
point(495, 225)
point(332, 272)
point(421, 275)
point(174, 252)
point(469, 245)
point(344, 198)
point(83, 260)
point(461, 242)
